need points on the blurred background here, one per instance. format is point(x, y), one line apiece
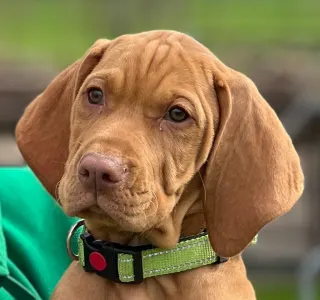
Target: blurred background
point(276, 43)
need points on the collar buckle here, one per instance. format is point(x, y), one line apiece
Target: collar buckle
point(102, 258)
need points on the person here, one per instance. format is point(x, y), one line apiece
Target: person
point(33, 231)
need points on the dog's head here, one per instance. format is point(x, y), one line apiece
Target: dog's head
point(151, 133)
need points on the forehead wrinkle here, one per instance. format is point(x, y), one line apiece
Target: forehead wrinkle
point(112, 73)
point(151, 59)
point(185, 57)
point(127, 54)
point(162, 35)
point(156, 53)
point(161, 70)
point(131, 75)
point(149, 53)
point(191, 62)
point(182, 73)
point(124, 54)
point(138, 55)
point(163, 74)
point(162, 63)
point(114, 80)
point(141, 67)
point(156, 48)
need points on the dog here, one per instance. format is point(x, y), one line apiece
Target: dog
point(151, 138)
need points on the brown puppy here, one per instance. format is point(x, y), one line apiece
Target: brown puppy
point(150, 138)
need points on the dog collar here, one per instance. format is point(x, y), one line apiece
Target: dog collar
point(132, 264)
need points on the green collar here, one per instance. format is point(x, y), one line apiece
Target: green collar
point(132, 264)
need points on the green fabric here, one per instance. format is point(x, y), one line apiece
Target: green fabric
point(31, 260)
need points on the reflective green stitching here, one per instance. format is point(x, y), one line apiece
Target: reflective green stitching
point(146, 256)
point(200, 262)
point(180, 247)
point(81, 252)
point(173, 250)
point(193, 253)
point(125, 267)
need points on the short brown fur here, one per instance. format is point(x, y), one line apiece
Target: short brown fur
point(230, 168)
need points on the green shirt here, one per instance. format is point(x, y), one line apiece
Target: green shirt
point(33, 232)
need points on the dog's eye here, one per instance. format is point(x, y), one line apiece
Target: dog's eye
point(95, 96)
point(176, 114)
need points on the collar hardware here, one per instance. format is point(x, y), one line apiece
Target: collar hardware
point(71, 233)
point(102, 258)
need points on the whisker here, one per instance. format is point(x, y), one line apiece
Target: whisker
point(56, 193)
point(154, 216)
point(204, 187)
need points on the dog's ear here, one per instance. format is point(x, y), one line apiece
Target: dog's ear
point(253, 173)
point(42, 133)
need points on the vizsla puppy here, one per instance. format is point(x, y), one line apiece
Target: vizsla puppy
point(150, 138)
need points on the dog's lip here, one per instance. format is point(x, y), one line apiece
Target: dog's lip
point(98, 212)
point(120, 213)
point(115, 218)
point(98, 216)
point(131, 205)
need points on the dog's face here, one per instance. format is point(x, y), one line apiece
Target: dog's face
point(152, 129)
point(137, 132)
point(137, 125)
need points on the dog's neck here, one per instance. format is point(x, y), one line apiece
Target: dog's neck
point(224, 281)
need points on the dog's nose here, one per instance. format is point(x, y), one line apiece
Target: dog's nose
point(97, 171)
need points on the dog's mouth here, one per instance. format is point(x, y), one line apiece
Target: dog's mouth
point(103, 227)
point(119, 214)
point(112, 215)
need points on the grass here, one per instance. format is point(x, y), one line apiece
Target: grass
point(278, 287)
point(276, 292)
point(287, 292)
point(61, 31)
